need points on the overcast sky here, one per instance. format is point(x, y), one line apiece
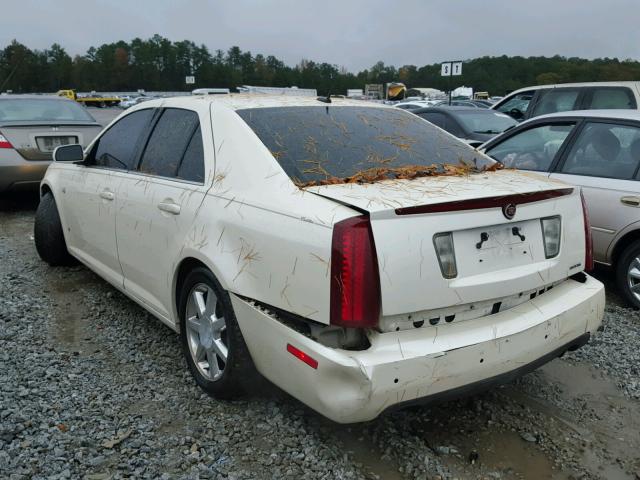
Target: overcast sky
point(350, 33)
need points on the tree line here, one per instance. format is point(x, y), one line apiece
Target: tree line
point(158, 64)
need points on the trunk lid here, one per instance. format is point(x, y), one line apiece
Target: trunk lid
point(406, 214)
point(37, 142)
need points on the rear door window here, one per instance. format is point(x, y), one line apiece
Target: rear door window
point(532, 149)
point(168, 142)
point(118, 146)
point(603, 98)
point(325, 143)
point(605, 150)
point(192, 164)
point(557, 100)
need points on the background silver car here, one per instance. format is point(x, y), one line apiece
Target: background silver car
point(31, 127)
point(599, 150)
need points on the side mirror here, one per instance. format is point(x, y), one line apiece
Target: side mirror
point(516, 114)
point(68, 153)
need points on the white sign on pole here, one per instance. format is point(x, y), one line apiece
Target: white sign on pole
point(456, 68)
point(190, 80)
point(445, 69)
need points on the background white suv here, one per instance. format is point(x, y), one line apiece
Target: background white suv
point(539, 100)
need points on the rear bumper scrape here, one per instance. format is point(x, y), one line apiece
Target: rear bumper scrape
point(501, 379)
point(424, 364)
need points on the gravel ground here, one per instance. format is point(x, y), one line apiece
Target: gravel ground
point(93, 387)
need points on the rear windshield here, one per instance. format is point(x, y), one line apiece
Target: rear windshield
point(485, 122)
point(42, 110)
point(316, 144)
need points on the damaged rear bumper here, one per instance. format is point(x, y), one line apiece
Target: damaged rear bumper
point(432, 363)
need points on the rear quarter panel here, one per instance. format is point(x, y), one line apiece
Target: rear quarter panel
point(263, 238)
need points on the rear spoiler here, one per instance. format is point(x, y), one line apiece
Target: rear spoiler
point(500, 201)
point(43, 123)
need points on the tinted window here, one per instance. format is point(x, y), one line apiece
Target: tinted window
point(532, 149)
point(484, 121)
point(556, 100)
point(44, 110)
point(192, 165)
point(117, 147)
point(438, 119)
point(607, 98)
point(167, 143)
point(519, 102)
point(316, 143)
point(605, 150)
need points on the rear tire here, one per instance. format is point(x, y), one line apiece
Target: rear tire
point(208, 331)
point(48, 234)
point(628, 274)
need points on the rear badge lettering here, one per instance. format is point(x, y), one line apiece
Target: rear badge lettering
point(509, 210)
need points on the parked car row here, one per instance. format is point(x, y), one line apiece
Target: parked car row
point(357, 256)
point(599, 151)
point(132, 101)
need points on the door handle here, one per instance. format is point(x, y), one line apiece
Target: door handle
point(169, 207)
point(107, 195)
point(631, 201)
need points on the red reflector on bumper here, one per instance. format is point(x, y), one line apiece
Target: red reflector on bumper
point(300, 355)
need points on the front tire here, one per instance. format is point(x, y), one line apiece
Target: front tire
point(628, 274)
point(48, 234)
point(212, 343)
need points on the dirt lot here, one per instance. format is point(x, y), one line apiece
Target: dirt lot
point(93, 387)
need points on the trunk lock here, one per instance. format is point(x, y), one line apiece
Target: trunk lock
point(484, 236)
point(516, 232)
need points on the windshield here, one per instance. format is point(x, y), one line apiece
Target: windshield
point(485, 122)
point(42, 110)
point(327, 143)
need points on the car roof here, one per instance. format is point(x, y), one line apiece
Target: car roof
point(577, 84)
point(256, 100)
point(630, 114)
point(32, 96)
point(453, 108)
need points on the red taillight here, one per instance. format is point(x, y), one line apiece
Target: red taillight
point(355, 281)
point(300, 355)
point(588, 240)
point(4, 143)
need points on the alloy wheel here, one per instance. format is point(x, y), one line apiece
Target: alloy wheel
point(633, 277)
point(206, 332)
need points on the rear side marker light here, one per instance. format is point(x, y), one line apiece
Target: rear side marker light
point(588, 240)
point(300, 355)
point(4, 143)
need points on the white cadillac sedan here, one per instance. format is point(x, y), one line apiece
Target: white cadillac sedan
point(357, 256)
